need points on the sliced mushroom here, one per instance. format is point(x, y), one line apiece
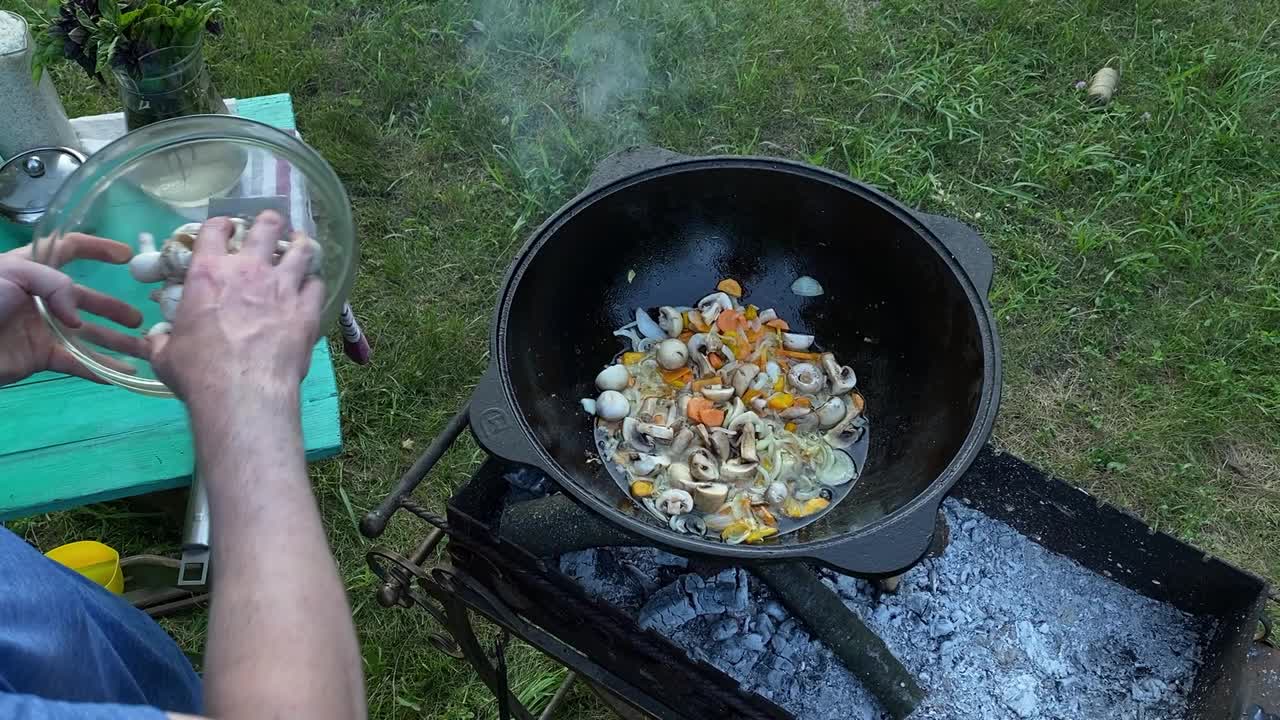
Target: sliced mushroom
point(712, 305)
point(722, 443)
point(703, 467)
point(743, 419)
point(678, 477)
point(747, 442)
point(614, 377)
point(661, 432)
point(708, 497)
point(632, 436)
point(743, 376)
point(645, 464)
point(670, 320)
point(767, 315)
point(684, 438)
point(807, 378)
point(843, 378)
point(830, 412)
point(795, 412)
point(736, 409)
point(737, 470)
point(675, 502)
point(759, 404)
point(718, 393)
point(612, 405)
point(672, 354)
point(796, 341)
point(849, 430)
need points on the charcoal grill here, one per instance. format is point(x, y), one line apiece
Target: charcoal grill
point(498, 567)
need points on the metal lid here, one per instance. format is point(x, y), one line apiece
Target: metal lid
point(29, 180)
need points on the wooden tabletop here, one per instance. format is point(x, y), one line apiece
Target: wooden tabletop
point(66, 442)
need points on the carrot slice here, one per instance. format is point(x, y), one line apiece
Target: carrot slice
point(684, 336)
point(806, 356)
point(712, 417)
point(678, 377)
point(727, 321)
point(779, 323)
point(697, 406)
point(716, 361)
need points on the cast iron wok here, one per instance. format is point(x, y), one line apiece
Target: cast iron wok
point(905, 306)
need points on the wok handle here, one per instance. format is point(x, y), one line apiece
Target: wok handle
point(496, 427)
point(966, 245)
point(889, 550)
point(629, 161)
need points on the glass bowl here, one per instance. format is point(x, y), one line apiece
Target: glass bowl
point(179, 171)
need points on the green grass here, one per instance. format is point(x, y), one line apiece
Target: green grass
point(1137, 245)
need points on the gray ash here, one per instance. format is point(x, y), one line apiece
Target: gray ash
point(996, 628)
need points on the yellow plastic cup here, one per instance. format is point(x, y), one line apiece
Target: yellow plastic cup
point(100, 563)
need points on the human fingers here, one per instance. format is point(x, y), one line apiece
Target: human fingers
point(260, 241)
point(79, 246)
point(104, 337)
point(104, 305)
point(155, 347)
point(212, 239)
point(55, 288)
point(62, 361)
point(310, 303)
point(297, 259)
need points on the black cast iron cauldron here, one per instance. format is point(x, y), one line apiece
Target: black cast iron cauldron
point(905, 306)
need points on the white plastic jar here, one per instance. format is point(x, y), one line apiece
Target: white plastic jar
point(31, 113)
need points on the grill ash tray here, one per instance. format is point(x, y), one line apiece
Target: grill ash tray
point(1046, 603)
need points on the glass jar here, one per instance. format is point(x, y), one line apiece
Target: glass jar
point(152, 181)
point(31, 114)
point(167, 83)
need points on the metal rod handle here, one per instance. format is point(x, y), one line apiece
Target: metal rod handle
point(375, 521)
point(194, 568)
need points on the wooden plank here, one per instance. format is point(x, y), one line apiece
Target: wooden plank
point(80, 442)
point(68, 442)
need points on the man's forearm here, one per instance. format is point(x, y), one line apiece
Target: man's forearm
point(281, 639)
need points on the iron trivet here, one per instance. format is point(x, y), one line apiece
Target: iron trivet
point(501, 563)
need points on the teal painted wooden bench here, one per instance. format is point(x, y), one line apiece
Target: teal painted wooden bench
point(66, 442)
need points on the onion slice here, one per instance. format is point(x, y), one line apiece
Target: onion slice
point(805, 286)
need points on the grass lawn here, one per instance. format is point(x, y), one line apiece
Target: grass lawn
point(1137, 245)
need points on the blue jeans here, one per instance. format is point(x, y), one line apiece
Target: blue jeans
point(65, 641)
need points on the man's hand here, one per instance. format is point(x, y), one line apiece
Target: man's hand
point(243, 328)
point(281, 641)
point(26, 344)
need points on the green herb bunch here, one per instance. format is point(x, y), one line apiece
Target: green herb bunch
point(102, 34)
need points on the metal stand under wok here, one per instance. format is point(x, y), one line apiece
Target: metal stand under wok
point(492, 573)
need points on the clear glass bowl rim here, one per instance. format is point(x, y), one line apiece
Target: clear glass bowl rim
point(103, 166)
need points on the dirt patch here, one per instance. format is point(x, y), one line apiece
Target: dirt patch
point(855, 12)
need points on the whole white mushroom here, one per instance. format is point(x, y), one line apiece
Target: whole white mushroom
point(672, 354)
point(612, 405)
point(614, 377)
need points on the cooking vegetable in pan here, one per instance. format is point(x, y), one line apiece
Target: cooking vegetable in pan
point(724, 423)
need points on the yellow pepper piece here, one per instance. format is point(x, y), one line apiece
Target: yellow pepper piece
point(750, 395)
point(789, 427)
point(758, 536)
point(730, 287)
point(780, 384)
point(753, 312)
point(642, 488)
point(631, 358)
point(781, 401)
point(793, 508)
point(736, 528)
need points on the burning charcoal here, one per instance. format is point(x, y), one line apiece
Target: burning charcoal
point(1148, 690)
point(764, 626)
point(775, 610)
point(527, 484)
point(941, 627)
point(918, 604)
point(669, 608)
point(1020, 696)
point(724, 629)
point(754, 642)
